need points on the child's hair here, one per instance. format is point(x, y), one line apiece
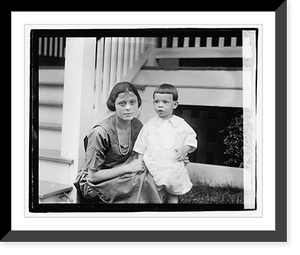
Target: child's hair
point(121, 87)
point(166, 89)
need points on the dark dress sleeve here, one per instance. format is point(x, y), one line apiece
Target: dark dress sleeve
point(97, 148)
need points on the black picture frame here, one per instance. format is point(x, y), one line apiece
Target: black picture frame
point(277, 235)
point(35, 206)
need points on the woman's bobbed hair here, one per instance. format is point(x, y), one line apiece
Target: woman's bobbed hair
point(121, 87)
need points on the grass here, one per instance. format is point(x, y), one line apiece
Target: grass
point(205, 194)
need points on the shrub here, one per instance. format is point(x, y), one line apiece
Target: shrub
point(234, 141)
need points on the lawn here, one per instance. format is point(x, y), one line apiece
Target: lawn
point(205, 194)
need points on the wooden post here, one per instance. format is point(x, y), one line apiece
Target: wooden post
point(99, 72)
point(142, 45)
point(106, 68)
point(221, 41)
point(164, 42)
point(131, 51)
point(209, 42)
point(78, 100)
point(175, 42)
point(137, 49)
point(197, 41)
point(113, 63)
point(126, 55)
point(120, 58)
point(186, 42)
point(152, 46)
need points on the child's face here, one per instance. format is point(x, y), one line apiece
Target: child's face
point(126, 105)
point(164, 105)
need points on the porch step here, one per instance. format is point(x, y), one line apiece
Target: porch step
point(50, 92)
point(50, 103)
point(53, 167)
point(48, 189)
point(50, 112)
point(51, 83)
point(51, 126)
point(51, 192)
point(53, 155)
point(49, 138)
point(51, 76)
point(50, 135)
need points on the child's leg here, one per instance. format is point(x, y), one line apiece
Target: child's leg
point(172, 199)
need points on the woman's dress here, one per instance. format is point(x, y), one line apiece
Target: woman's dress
point(104, 152)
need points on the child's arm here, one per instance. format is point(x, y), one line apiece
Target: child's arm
point(190, 144)
point(182, 152)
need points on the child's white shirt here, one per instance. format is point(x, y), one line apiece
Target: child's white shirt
point(158, 141)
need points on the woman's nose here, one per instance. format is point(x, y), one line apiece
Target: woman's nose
point(128, 107)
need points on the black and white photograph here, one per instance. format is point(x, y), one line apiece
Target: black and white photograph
point(149, 127)
point(149, 119)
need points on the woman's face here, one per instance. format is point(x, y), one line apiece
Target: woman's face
point(126, 105)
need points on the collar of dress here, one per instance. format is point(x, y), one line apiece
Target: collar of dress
point(175, 120)
point(111, 121)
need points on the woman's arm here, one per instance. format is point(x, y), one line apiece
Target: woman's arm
point(140, 156)
point(135, 166)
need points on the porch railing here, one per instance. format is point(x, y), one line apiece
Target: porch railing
point(52, 46)
point(118, 59)
point(198, 47)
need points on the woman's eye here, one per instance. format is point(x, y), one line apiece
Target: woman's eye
point(122, 103)
point(132, 102)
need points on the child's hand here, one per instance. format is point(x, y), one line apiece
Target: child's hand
point(186, 160)
point(181, 153)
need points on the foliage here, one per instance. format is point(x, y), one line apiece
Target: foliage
point(234, 141)
point(240, 140)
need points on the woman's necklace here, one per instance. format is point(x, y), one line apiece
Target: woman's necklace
point(122, 150)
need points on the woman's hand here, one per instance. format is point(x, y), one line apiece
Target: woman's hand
point(136, 166)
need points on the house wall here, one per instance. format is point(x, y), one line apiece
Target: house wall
point(194, 96)
point(218, 91)
point(195, 87)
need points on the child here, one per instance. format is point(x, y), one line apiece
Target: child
point(164, 142)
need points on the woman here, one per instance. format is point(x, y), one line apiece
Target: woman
point(111, 172)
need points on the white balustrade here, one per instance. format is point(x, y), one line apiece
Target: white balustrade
point(118, 58)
